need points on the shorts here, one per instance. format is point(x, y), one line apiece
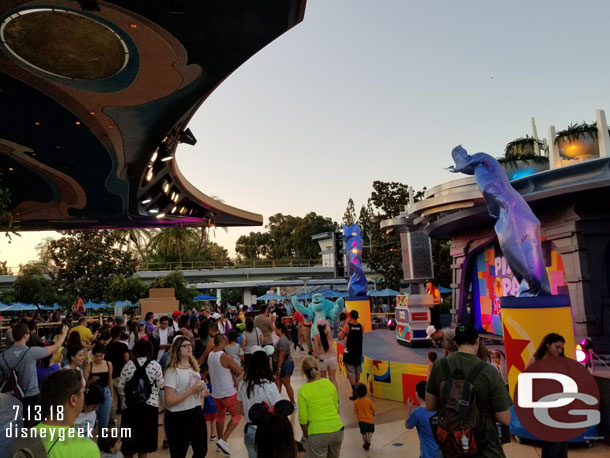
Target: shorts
point(366, 427)
point(329, 363)
point(209, 416)
point(227, 404)
point(352, 371)
point(287, 369)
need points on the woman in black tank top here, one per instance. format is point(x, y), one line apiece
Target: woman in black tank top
point(99, 372)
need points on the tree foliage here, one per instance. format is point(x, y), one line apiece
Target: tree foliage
point(349, 217)
point(32, 287)
point(182, 291)
point(85, 262)
point(180, 245)
point(287, 237)
point(388, 200)
point(131, 289)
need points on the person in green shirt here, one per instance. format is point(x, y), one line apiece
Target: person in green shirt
point(62, 395)
point(489, 387)
point(318, 405)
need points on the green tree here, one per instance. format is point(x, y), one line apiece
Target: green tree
point(173, 244)
point(255, 245)
point(85, 262)
point(349, 217)
point(127, 289)
point(287, 237)
point(281, 229)
point(135, 240)
point(310, 224)
point(33, 287)
point(182, 291)
point(366, 221)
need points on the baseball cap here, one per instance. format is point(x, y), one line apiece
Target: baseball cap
point(176, 313)
point(215, 316)
point(466, 331)
point(354, 314)
point(429, 331)
point(141, 322)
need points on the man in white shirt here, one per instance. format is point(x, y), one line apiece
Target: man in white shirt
point(222, 366)
point(165, 335)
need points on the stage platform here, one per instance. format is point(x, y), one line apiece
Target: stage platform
point(391, 370)
point(381, 345)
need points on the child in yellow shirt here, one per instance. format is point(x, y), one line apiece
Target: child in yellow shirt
point(365, 411)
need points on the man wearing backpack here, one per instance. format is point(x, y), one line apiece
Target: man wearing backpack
point(470, 398)
point(18, 367)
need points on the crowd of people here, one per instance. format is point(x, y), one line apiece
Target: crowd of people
point(198, 368)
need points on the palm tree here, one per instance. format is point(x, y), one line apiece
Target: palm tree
point(135, 240)
point(174, 243)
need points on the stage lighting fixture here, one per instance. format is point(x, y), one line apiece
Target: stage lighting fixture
point(187, 137)
point(146, 199)
point(166, 154)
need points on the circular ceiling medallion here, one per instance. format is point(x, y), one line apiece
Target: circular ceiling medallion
point(64, 43)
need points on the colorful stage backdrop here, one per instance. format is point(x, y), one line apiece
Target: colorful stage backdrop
point(387, 379)
point(493, 279)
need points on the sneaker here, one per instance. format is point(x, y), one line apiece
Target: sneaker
point(223, 446)
point(212, 437)
point(366, 445)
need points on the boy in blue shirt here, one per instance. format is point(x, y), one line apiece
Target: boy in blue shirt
point(420, 418)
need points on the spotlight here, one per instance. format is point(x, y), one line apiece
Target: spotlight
point(160, 215)
point(165, 187)
point(584, 353)
point(166, 154)
point(153, 158)
point(146, 200)
point(187, 137)
point(154, 211)
point(149, 175)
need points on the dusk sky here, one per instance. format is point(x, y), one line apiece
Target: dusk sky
point(363, 91)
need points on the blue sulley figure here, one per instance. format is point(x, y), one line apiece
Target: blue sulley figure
point(319, 308)
point(357, 280)
point(517, 228)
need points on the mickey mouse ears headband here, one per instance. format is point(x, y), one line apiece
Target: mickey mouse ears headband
point(268, 349)
point(260, 410)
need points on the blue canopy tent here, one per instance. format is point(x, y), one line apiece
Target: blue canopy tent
point(443, 290)
point(3, 306)
point(49, 307)
point(304, 296)
point(330, 294)
point(270, 297)
point(93, 305)
point(204, 297)
point(384, 293)
point(20, 307)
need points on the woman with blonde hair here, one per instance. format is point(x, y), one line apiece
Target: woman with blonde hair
point(319, 413)
point(184, 421)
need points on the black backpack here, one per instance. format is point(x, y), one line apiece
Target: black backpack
point(458, 426)
point(11, 384)
point(138, 388)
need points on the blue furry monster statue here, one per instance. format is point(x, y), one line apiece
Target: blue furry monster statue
point(319, 309)
point(357, 280)
point(517, 227)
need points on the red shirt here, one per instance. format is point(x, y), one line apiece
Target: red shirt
point(296, 316)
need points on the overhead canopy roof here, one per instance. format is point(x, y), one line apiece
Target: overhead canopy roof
point(92, 99)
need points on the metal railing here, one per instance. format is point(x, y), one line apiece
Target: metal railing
point(214, 265)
